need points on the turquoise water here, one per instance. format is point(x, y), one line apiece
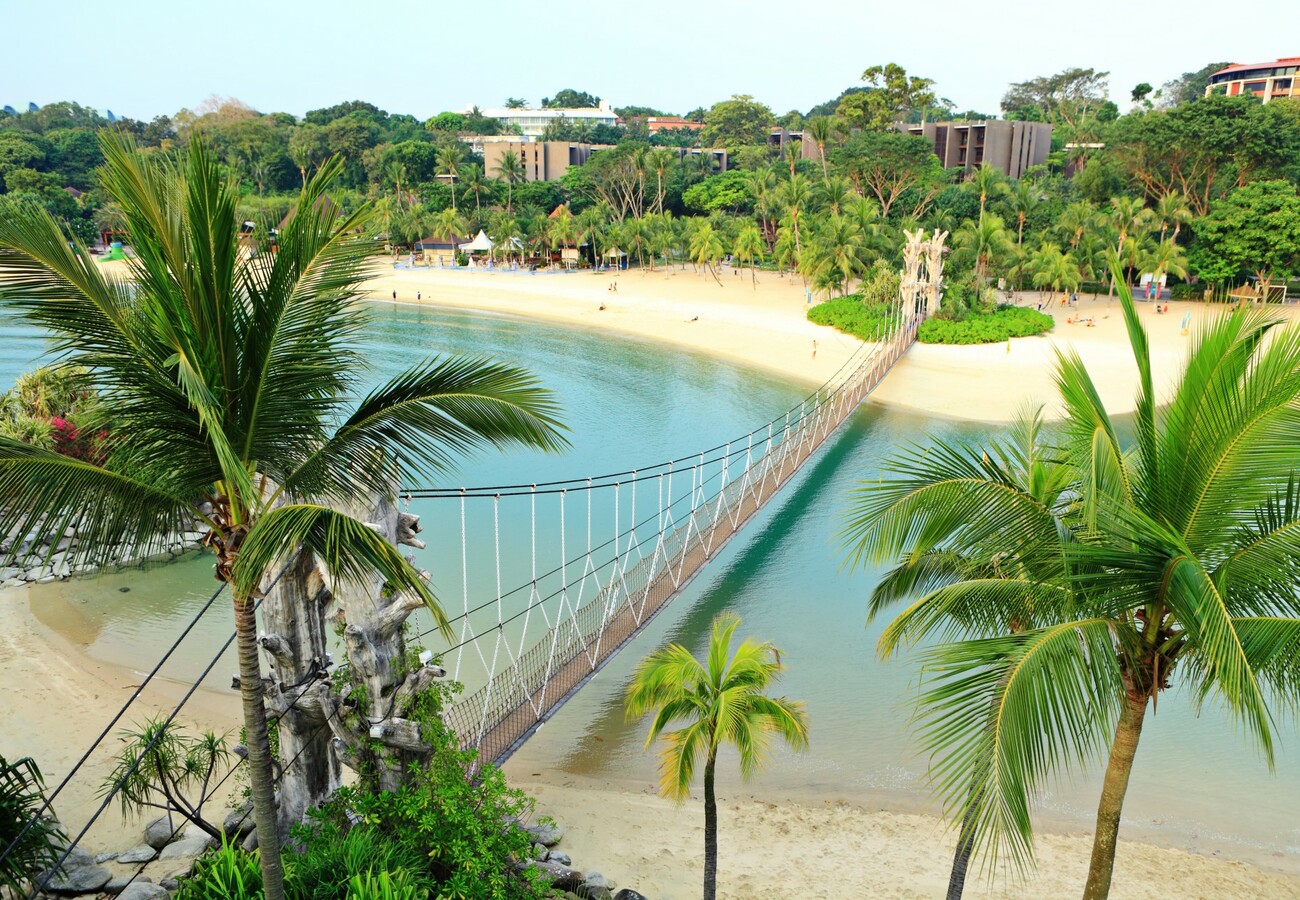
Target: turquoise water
point(632, 403)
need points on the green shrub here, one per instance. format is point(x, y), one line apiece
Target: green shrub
point(22, 792)
point(869, 322)
point(985, 328)
point(1187, 292)
point(385, 885)
point(1094, 287)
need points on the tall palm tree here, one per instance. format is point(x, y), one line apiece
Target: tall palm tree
point(449, 159)
point(1063, 621)
point(1165, 258)
point(834, 194)
point(510, 170)
point(795, 195)
point(820, 129)
point(661, 161)
point(721, 701)
point(229, 380)
point(1129, 219)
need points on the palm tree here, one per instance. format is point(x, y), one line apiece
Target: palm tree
point(1172, 209)
point(1064, 619)
point(721, 702)
point(228, 379)
point(449, 158)
point(589, 228)
point(820, 129)
point(834, 194)
point(510, 170)
point(842, 241)
point(986, 181)
point(748, 247)
point(983, 243)
point(661, 160)
point(1129, 218)
point(471, 176)
point(1075, 221)
point(1052, 268)
point(794, 195)
point(1165, 258)
point(706, 249)
point(1021, 201)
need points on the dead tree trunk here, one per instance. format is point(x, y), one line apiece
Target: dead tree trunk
point(295, 641)
point(378, 695)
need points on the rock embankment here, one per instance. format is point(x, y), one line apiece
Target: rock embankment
point(557, 867)
point(43, 563)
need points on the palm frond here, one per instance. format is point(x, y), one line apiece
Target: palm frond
point(1003, 714)
point(45, 496)
point(427, 417)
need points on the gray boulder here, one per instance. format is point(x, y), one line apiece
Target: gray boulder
point(559, 856)
point(159, 832)
point(84, 877)
point(138, 854)
point(562, 878)
point(144, 891)
point(238, 823)
point(629, 894)
point(186, 847)
point(597, 880)
point(548, 834)
point(118, 883)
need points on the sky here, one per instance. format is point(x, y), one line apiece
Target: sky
point(142, 58)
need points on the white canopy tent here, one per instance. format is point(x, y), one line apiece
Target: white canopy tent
point(481, 243)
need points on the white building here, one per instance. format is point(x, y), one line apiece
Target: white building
point(532, 122)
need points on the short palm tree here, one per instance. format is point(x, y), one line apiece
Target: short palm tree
point(706, 248)
point(230, 380)
point(448, 164)
point(749, 247)
point(1061, 621)
point(720, 701)
point(986, 182)
point(1052, 268)
point(983, 243)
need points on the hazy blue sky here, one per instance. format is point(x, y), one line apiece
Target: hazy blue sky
point(145, 57)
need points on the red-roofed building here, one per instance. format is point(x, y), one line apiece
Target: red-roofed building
point(665, 123)
point(1266, 81)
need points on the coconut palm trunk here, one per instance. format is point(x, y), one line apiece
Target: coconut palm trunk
point(1113, 788)
point(261, 785)
point(710, 829)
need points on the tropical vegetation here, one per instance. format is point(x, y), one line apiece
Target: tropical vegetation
point(231, 381)
point(1061, 581)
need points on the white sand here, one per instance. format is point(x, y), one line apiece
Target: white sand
point(55, 700)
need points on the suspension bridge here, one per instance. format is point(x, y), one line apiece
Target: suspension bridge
point(521, 653)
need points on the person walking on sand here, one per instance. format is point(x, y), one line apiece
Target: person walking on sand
point(814, 356)
point(417, 296)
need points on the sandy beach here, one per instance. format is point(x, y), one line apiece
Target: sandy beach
point(56, 699)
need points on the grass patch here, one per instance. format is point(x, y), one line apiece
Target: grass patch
point(867, 321)
point(985, 328)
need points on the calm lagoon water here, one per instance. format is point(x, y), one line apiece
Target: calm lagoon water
point(630, 403)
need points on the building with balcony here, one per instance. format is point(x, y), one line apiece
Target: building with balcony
point(549, 160)
point(1010, 147)
point(532, 122)
point(1264, 80)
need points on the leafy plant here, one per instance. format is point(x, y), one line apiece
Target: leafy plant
point(176, 771)
point(385, 885)
point(330, 857)
point(22, 791)
point(226, 873)
point(453, 822)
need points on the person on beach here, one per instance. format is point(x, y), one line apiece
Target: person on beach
point(814, 356)
point(394, 295)
point(417, 296)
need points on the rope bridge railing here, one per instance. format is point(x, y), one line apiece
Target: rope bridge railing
point(522, 653)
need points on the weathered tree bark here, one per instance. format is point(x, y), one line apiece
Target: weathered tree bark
point(1113, 789)
point(295, 640)
point(380, 689)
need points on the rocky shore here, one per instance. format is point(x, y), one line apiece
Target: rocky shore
point(43, 563)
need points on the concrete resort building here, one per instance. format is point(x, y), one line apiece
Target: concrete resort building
point(1010, 147)
point(532, 122)
point(1265, 80)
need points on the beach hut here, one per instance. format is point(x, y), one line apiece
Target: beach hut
point(481, 244)
point(438, 251)
point(614, 257)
